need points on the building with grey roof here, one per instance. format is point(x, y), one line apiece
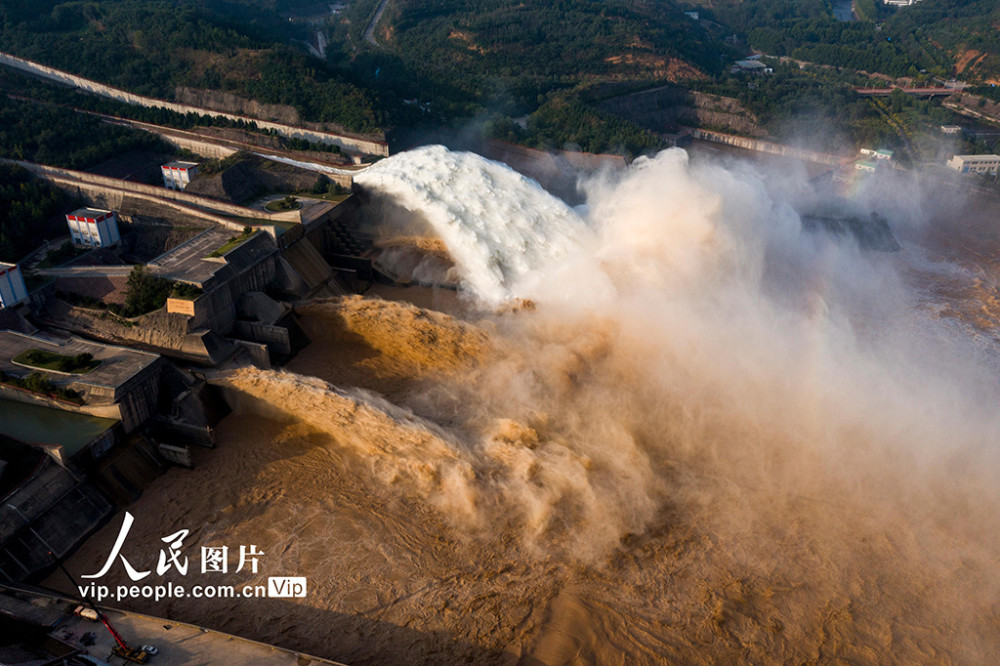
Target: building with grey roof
point(12, 289)
point(93, 227)
point(124, 386)
point(177, 175)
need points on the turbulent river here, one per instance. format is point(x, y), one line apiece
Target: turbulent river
point(669, 426)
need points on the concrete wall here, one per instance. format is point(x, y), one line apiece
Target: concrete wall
point(768, 147)
point(137, 398)
point(158, 330)
point(39, 297)
point(259, 354)
point(216, 308)
point(112, 197)
point(133, 402)
point(17, 394)
point(277, 338)
point(114, 187)
point(308, 263)
point(186, 141)
point(350, 143)
point(198, 144)
point(289, 237)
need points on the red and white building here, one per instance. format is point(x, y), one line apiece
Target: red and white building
point(176, 175)
point(93, 227)
point(12, 290)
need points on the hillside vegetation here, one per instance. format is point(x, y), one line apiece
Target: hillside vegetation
point(27, 214)
point(965, 32)
point(51, 135)
point(541, 73)
point(154, 47)
point(497, 53)
point(944, 37)
point(501, 60)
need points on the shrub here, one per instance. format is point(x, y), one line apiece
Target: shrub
point(145, 292)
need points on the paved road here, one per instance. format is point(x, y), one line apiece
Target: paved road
point(86, 271)
point(370, 30)
point(918, 92)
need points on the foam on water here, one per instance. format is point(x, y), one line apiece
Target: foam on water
point(716, 439)
point(499, 226)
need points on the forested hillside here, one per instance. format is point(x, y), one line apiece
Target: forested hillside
point(152, 47)
point(944, 37)
point(497, 51)
point(966, 32)
point(531, 71)
point(28, 206)
point(501, 59)
point(53, 135)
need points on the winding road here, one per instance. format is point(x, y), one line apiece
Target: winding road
point(370, 30)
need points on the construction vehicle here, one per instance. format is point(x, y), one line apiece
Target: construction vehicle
point(121, 649)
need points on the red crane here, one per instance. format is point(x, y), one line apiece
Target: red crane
point(122, 649)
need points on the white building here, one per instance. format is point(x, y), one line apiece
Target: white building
point(951, 129)
point(751, 66)
point(880, 154)
point(176, 175)
point(987, 164)
point(12, 290)
point(93, 227)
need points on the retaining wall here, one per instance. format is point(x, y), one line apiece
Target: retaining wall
point(276, 338)
point(768, 147)
point(196, 146)
point(201, 145)
point(116, 186)
point(354, 144)
point(17, 394)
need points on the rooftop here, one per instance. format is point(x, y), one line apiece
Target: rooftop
point(118, 364)
point(973, 158)
point(190, 261)
point(89, 212)
point(180, 165)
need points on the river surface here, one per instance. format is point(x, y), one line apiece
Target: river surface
point(669, 427)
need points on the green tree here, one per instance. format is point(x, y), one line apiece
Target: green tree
point(144, 292)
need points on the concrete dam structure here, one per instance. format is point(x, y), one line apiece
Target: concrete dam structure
point(44, 518)
point(109, 192)
point(768, 147)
